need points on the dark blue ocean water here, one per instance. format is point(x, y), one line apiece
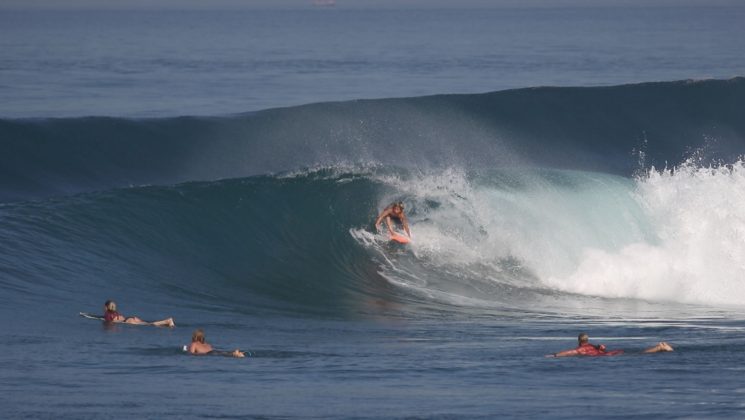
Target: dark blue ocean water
point(150, 63)
point(141, 161)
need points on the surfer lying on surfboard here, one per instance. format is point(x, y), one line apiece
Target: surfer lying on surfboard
point(200, 346)
point(111, 315)
point(587, 349)
point(395, 211)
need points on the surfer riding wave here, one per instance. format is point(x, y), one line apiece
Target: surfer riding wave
point(394, 211)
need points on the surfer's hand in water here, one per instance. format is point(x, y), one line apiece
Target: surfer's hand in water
point(238, 353)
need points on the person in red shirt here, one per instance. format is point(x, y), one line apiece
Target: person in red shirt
point(586, 349)
point(111, 315)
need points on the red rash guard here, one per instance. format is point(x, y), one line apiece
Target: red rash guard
point(109, 316)
point(588, 349)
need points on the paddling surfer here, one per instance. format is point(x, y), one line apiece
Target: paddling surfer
point(394, 211)
point(200, 346)
point(586, 349)
point(111, 315)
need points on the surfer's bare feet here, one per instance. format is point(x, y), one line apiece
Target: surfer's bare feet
point(660, 347)
point(165, 323)
point(665, 347)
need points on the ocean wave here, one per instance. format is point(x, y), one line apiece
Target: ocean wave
point(599, 129)
point(539, 241)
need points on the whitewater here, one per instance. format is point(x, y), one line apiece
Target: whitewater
point(670, 235)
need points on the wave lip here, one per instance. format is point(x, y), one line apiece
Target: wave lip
point(563, 128)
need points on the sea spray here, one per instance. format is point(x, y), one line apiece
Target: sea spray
point(478, 233)
point(699, 252)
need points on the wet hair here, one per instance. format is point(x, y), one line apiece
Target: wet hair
point(399, 204)
point(583, 338)
point(110, 306)
point(198, 336)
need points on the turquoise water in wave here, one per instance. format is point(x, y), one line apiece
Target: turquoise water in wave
point(536, 213)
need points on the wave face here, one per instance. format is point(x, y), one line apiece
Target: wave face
point(527, 201)
point(512, 241)
point(564, 128)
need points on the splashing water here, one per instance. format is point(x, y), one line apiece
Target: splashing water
point(699, 254)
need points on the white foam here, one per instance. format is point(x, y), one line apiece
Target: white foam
point(698, 217)
point(674, 235)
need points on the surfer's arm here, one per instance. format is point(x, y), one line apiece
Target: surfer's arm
point(383, 214)
point(234, 353)
point(564, 353)
point(405, 223)
point(389, 224)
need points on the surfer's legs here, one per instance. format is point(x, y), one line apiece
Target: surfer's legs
point(134, 320)
point(660, 347)
point(164, 323)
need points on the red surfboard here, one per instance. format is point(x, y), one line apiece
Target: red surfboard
point(400, 238)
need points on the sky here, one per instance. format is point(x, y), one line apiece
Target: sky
point(263, 4)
